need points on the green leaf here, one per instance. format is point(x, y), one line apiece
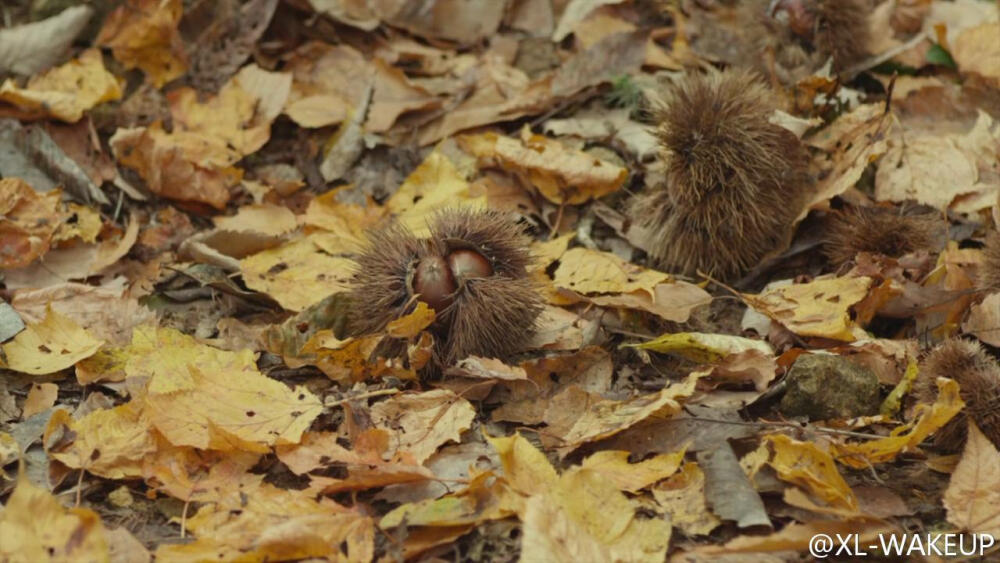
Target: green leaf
point(938, 55)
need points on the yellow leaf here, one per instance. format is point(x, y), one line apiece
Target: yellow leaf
point(591, 271)
point(10, 451)
point(35, 527)
point(973, 495)
point(297, 273)
point(83, 222)
point(977, 49)
point(613, 466)
point(52, 345)
point(892, 403)
point(410, 325)
point(143, 34)
point(28, 220)
point(40, 398)
point(485, 498)
point(110, 443)
point(345, 220)
point(705, 348)
point(436, 184)
point(806, 465)
point(931, 418)
point(271, 524)
point(420, 423)
point(819, 308)
point(683, 497)
point(560, 174)
point(268, 219)
point(578, 417)
point(525, 467)
point(212, 399)
point(67, 91)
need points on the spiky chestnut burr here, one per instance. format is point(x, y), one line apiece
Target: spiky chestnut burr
point(734, 181)
point(472, 270)
point(888, 231)
point(801, 35)
point(978, 377)
point(989, 270)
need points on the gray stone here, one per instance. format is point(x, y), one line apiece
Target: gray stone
point(822, 386)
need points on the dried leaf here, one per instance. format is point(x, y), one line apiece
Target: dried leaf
point(434, 185)
point(28, 221)
point(110, 443)
point(560, 174)
point(65, 92)
point(419, 424)
point(973, 495)
point(817, 308)
point(143, 34)
point(35, 527)
point(906, 437)
point(52, 345)
point(297, 274)
point(33, 47)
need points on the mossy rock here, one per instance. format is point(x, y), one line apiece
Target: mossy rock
point(823, 386)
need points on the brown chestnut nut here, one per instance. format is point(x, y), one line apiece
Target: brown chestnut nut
point(472, 270)
point(466, 264)
point(434, 282)
point(735, 182)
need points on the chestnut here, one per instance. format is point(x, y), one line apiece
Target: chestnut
point(472, 270)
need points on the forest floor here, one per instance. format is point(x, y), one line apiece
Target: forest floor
point(187, 189)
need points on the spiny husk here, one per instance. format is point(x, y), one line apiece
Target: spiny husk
point(734, 181)
point(883, 230)
point(978, 377)
point(493, 316)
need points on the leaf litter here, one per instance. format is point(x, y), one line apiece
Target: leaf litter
point(179, 377)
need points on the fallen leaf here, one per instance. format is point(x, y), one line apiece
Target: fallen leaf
point(65, 92)
point(41, 397)
point(266, 219)
point(682, 496)
point(973, 495)
point(32, 47)
point(560, 174)
point(817, 308)
point(807, 465)
point(983, 321)
point(28, 221)
point(298, 273)
point(614, 467)
point(977, 50)
point(901, 439)
point(110, 443)
point(35, 527)
point(143, 34)
point(49, 346)
point(576, 417)
point(434, 185)
point(207, 398)
point(421, 423)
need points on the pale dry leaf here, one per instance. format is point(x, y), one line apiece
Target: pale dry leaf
point(65, 92)
point(34, 526)
point(298, 273)
point(978, 50)
point(973, 495)
point(419, 424)
point(560, 174)
point(110, 443)
point(33, 47)
point(51, 345)
point(143, 34)
point(817, 308)
point(983, 321)
point(40, 398)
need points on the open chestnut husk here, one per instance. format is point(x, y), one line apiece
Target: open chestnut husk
point(472, 270)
